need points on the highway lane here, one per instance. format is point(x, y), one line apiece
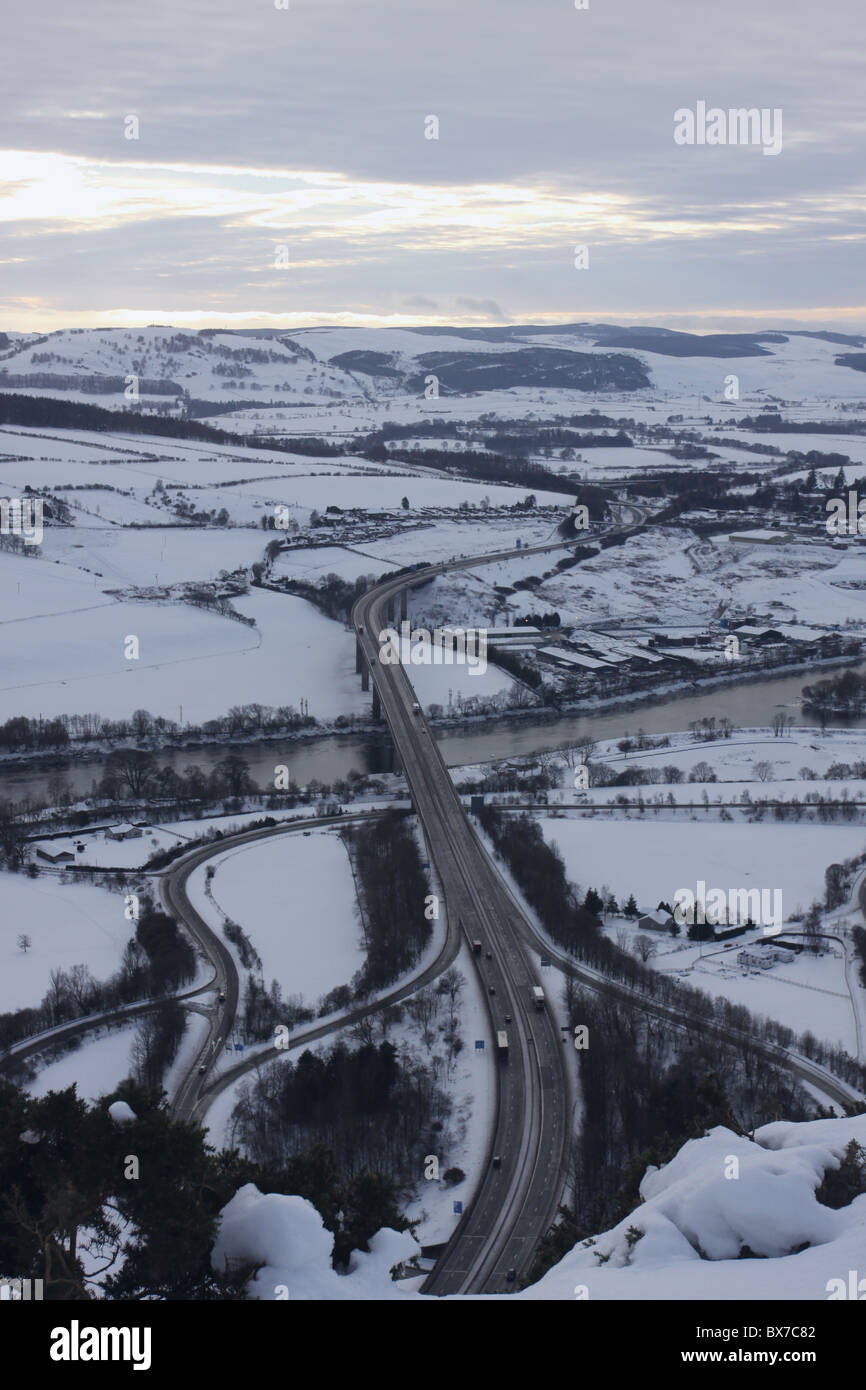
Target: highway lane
point(514, 1203)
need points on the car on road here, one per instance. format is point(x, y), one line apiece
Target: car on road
point(489, 955)
point(222, 997)
point(497, 1161)
point(202, 1069)
point(491, 989)
point(511, 1276)
point(508, 1018)
point(416, 708)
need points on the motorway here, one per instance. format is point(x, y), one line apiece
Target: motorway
point(515, 1202)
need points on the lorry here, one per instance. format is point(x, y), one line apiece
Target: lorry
point(538, 996)
point(502, 1045)
point(476, 946)
point(416, 708)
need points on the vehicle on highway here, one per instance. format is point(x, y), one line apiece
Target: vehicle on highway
point(508, 1018)
point(222, 998)
point(497, 1161)
point(502, 1045)
point(489, 955)
point(476, 946)
point(511, 1276)
point(202, 1069)
point(416, 708)
point(491, 989)
point(538, 996)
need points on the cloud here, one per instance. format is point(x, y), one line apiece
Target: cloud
point(484, 308)
point(259, 125)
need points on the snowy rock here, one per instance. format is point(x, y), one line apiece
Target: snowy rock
point(287, 1237)
point(121, 1113)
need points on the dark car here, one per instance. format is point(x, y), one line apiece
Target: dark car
point(491, 989)
point(489, 955)
point(222, 997)
point(508, 1018)
point(497, 1161)
point(202, 1069)
point(511, 1276)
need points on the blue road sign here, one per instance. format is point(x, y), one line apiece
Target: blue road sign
point(458, 1208)
point(479, 1044)
point(239, 1047)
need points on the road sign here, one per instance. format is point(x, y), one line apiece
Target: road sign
point(479, 1044)
point(458, 1208)
point(239, 1047)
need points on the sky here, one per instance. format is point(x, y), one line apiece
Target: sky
point(272, 163)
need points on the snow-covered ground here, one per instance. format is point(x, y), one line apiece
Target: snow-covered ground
point(95, 1068)
point(73, 663)
point(294, 896)
point(68, 924)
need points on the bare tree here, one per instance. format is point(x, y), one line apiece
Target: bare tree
point(645, 947)
point(763, 771)
point(24, 942)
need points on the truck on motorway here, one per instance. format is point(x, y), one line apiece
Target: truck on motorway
point(416, 708)
point(538, 996)
point(476, 946)
point(502, 1045)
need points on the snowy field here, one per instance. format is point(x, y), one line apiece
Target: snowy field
point(72, 663)
point(294, 896)
point(95, 1068)
point(655, 858)
point(68, 923)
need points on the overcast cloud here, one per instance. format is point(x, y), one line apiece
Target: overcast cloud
point(304, 129)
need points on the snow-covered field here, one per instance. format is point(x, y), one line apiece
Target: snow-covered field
point(74, 662)
point(68, 924)
point(295, 898)
point(95, 1068)
point(654, 858)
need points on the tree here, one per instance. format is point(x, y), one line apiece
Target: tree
point(12, 837)
point(834, 886)
point(592, 902)
point(133, 768)
point(404, 503)
point(763, 771)
point(812, 929)
point(645, 947)
point(233, 772)
point(631, 908)
point(24, 942)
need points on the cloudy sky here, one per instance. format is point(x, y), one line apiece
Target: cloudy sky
point(282, 173)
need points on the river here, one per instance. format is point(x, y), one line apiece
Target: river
point(326, 759)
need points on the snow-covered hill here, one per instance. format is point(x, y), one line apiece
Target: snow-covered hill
point(317, 365)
